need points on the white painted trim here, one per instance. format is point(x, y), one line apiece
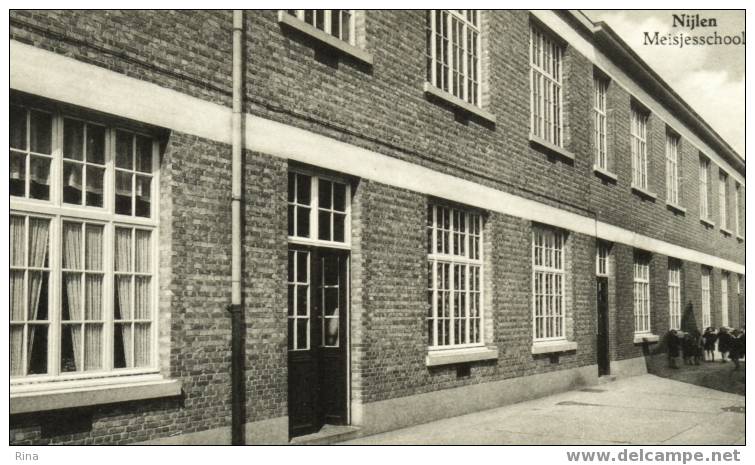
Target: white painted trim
point(54, 76)
point(570, 35)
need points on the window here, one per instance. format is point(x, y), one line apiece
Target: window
point(601, 263)
point(548, 284)
point(600, 123)
point(453, 53)
point(672, 168)
point(737, 221)
point(298, 299)
point(724, 299)
point(546, 56)
point(722, 194)
point(704, 189)
point(705, 286)
point(454, 277)
point(338, 23)
point(82, 268)
point(641, 293)
point(639, 149)
point(674, 295)
point(319, 210)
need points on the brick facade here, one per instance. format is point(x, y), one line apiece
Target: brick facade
point(294, 80)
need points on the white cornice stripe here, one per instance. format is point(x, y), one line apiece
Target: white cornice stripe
point(54, 76)
point(560, 27)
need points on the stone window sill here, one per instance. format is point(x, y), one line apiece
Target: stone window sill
point(644, 193)
point(465, 355)
point(707, 222)
point(677, 208)
point(324, 38)
point(83, 393)
point(727, 232)
point(547, 347)
point(645, 337)
point(458, 103)
point(603, 173)
point(740, 238)
point(551, 147)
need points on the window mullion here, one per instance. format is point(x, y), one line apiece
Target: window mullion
point(314, 207)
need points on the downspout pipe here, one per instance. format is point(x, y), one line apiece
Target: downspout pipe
point(238, 393)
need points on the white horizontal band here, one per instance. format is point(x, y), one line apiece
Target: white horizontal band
point(55, 76)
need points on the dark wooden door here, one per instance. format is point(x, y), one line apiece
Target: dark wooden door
point(603, 359)
point(317, 331)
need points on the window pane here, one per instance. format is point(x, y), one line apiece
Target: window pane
point(37, 349)
point(16, 295)
point(339, 230)
point(339, 197)
point(93, 301)
point(123, 193)
point(122, 249)
point(143, 251)
point(17, 128)
point(143, 196)
point(143, 154)
point(93, 259)
point(72, 246)
point(71, 348)
point(123, 298)
point(291, 187)
point(17, 174)
point(124, 156)
point(142, 344)
point(302, 267)
point(39, 182)
point(73, 139)
point(95, 144)
point(302, 221)
point(324, 225)
point(17, 241)
point(40, 134)
point(142, 298)
point(16, 350)
point(39, 231)
point(123, 346)
point(93, 337)
point(95, 178)
point(72, 183)
point(325, 194)
point(303, 189)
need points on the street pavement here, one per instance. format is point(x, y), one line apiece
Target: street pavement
point(638, 410)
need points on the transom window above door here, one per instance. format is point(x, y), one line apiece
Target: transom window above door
point(319, 210)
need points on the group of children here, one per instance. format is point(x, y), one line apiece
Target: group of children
point(695, 347)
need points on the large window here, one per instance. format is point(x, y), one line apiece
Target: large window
point(724, 299)
point(454, 277)
point(600, 123)
point(641, 293)
point(638, 136)
point(705, 287)
point(672, 168)
point(338, 23)
point(82, 266)
point(546, 57)
point(722, 203)
point(674, 295)
point(704, 188)
point(548, 284)
point(453, 52)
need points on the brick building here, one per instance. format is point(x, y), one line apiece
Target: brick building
point(441, 212)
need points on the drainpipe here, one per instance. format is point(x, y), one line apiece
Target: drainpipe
point(237, 314)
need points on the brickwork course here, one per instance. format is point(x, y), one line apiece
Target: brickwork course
point(295, 80)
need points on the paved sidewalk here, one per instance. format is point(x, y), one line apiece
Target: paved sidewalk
point(639, 410)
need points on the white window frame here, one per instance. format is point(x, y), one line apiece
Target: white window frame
point(314, 210)
point(57, 212)
point(724, 298)
point(550, 246)
point(737, 221)
point(602, 260)
point(706, 296)
point(546, 79)
point(328, 17)
point(638, 137)
point(675, 295)
point(704, 178)
point(600, 122)
point(466, 260)
point(642, 322)
point(672, 168)
point(460, 62)
point(723, 187)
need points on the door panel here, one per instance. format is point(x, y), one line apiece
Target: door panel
point(602, 346)
point(318, 307)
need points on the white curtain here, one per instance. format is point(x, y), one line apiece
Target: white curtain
point(39, 232)
point(17, 245)
point(72, 251)
point(123, 288)
point(93, 298)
